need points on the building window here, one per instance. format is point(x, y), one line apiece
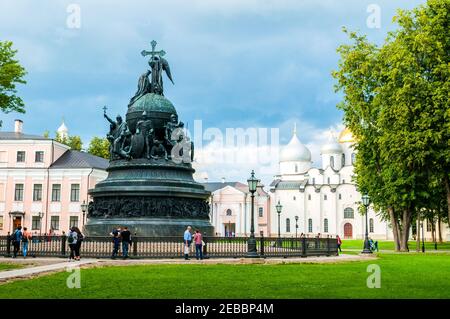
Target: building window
point(35, 223)
point(325, 225)
point(348, 213)
point(310, 228)
point(314, 181)
point(37, 192)
point(343, 159)
point(54, 223)
point(325, 197)
point(371, 225)
point(75, 192)
point(18, 193)
point(229, 213)
point(309, 196)
point(353, 158)
point(73, 221)
point(328, 180)
point(1, 222)
point(56, 192)
point(294, 198)
point(20, 156)
point(288, 225)
point(260, 212)
point(340, 196)
point(296, 168)
point(39, 157)
point(332, 161)
point(343, 181)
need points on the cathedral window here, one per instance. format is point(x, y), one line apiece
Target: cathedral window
point(343, 159)
point(332, 161)
point(288, 225)
point(260, 212)
point(296, 168)
point(353, 158)
point(325, 197)
point(309, 196)
point(348, 213)
point(340, 196)
point(310, 228)
point(371, 225)
point(325, 225)
point(328, 180)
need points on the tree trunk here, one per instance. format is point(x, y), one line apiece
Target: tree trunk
point(394, 224)
point(418, 234)
point(440, 229)
point(447, 189)
point(404, 232)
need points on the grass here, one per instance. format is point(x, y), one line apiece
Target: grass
point(9, 266)
point(389, 245)
point(402, 276)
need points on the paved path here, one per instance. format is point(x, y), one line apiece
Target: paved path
point(25, 272)
point(54, 264)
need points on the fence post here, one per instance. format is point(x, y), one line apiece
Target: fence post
point(262, 244)
point(8, 246)
point(205, 248)
point(328, 245)
point(304, 247)
point(135, 242)
point(63, 245)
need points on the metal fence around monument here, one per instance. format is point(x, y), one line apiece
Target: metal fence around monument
point(173, 247)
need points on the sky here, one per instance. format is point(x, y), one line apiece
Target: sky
point(235, 64)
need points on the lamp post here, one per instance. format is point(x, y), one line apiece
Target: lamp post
point(252, 185)
point(366, 202)
point(296, 226)
point(84, 209)
point(423, 236)
point(279, 207)
point(41, 215)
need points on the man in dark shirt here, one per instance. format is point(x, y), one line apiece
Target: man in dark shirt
point(116, 242)
point(126, 241)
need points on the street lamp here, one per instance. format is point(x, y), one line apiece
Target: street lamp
point(84, 207)
point(296, 226)
point(423, 236)
point(252, 185)
point(41, 215)
point(366, 202)
point(279, 207)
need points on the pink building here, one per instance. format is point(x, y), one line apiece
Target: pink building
point(230, 213)
point(43, 183)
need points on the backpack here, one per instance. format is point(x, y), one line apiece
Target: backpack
point(70, 239)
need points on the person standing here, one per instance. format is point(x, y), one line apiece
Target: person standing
point(80, 238)
point(116, 242)
point(187, 238)
point(339, 242)
point(125, 235)
point(26, 236)
point(198, 240)
point(16, 239)
point(72, 240)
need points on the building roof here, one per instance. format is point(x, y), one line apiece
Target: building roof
point(20, 136)
point(76, 159)
point(213, 186)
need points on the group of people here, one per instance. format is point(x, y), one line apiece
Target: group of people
point(198, 241)
point(120, 235)
point(20, 237)
point(74, 238)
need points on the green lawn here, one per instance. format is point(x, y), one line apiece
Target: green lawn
point(389, 245)
point(8, 266)
point(402, 276)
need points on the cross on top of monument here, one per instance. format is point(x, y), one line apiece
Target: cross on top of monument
point(153, 52)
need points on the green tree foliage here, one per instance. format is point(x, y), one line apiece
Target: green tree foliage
point(396, 104)
point(74, 142)
point(99, 147)
point(11, 73)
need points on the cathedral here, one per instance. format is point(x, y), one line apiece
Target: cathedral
point(320, 200)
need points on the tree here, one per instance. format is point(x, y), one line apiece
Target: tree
point(11, 73)
point(74, 142)
point(99, 147)
point(396, 104)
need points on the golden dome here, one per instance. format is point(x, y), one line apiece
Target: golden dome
point(346, 136)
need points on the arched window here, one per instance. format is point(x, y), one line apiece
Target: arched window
point(325, 197)
point(343, 159)
point(371, 225)
point(328, 180)
point(294, 198)
point(229, 213)
point(310, 229)
point(348, 213)
point(288, 225)
point(314, 181)
point(309, 196)
point(353, 158)
point(325, 225)
point(296, 168)
point(260, 212)
point(332, 161)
